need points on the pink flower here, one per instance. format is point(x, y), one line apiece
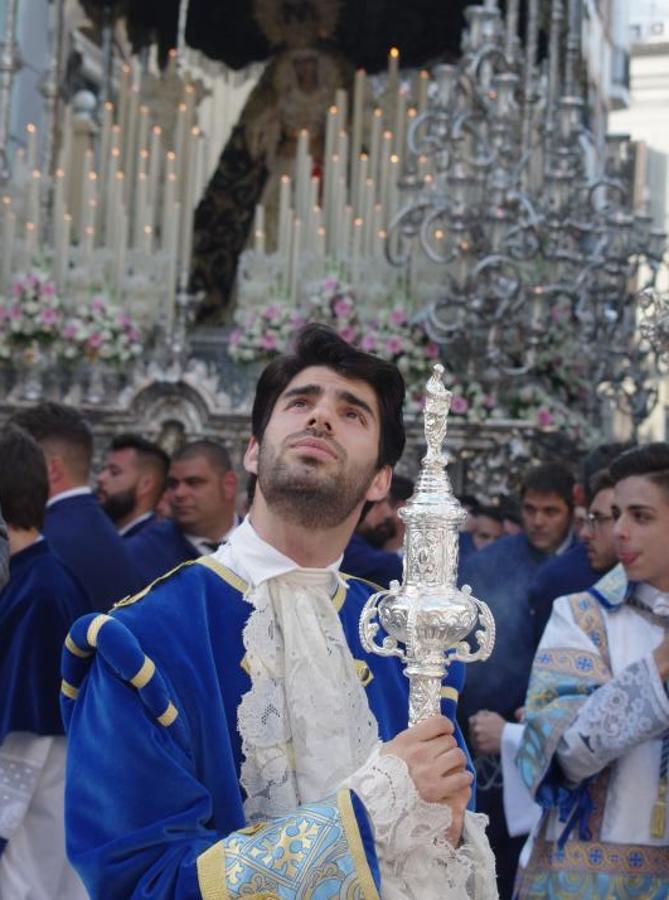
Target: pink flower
point(544, 417)
point(330, 283)
point(95, 341)
point(49, 316)
point(347, 333)
point(15, 312)
point(124, 320)
point(394, 346)
point(297, 320)
point(398, 317)
point(235, 338)
point(459, 405)
point(133, 334)
point(49, 289)
point(98, 303)
point(432, 350)
point(368, 343)
point(268, 341)
point(342, 307)
point(32, 280)
point(272, 313)
point(17, 288)
point(69, 331)
point(489, 401)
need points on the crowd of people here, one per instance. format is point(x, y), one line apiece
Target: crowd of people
point(213, 681)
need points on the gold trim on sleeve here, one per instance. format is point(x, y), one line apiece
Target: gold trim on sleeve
point(211, 873)
point(169, 715)
point(94, 628)
point(69, 690)
point(145, 674)
point(450, 693)
point(354, 840)
point(75, 649)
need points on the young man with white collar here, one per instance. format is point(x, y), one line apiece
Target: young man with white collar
point(231, 722)
point(75, 525)
point(595, 749)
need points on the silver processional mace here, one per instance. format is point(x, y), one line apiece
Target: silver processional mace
point(427, 617)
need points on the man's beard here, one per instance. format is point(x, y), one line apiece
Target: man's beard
point(379, 535)
point(118, 506)
point(303, 492)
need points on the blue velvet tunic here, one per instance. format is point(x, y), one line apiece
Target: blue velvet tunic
point(154, 807)
point(159, 548)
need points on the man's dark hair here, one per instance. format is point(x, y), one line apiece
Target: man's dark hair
point(496, 513)
point(24, 482)
point(509, 508)
point(318, 345)
point(149, 454)
point(216, 454)
point(650, 461)
point(470, 503)
point(550, 478)
point(601, 458)
point(401, 489)
point(61, 430)
point(600, 481)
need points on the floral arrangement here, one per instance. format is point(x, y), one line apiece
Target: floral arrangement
point(32, 319)
point(31, 316)
point(101, 332)
point(264, 333)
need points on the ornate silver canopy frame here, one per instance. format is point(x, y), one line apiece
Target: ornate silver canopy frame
point(427, 613)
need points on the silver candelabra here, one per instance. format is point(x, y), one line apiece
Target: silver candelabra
point(427, 613)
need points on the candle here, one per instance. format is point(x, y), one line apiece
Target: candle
point(130, 143)
point(31, 146)
point(302, 173)
point(105, 136)
point(259, 241)
point(154, 164)
point(31, 242)
point(423, 84)
point(375, 143)
point(170, 163)
point(114, 160)
point(169, 198)
point(84, 191)
point(341, 102)
point(320, 243)
point(148, 240)
point(356, 249)
point(143, 128)
point(400, 123)
point(141, 199)
point(33, 199)
point(8, 232)
point(59, 196)
point(295, 259)
point(171, 243)
point(368, 217)
point(345, 230)
point(283, 237)
point(359, 193)
point(120, 252)
point(330, 132)
point(180, 135)
point(393, 72)
point(63, 229)
point(386, 153)
point(87, 243)
point(359, 87)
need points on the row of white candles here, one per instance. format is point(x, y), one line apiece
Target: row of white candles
point(346, 215)
point(141, 195)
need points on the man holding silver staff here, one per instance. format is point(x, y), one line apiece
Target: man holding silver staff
point(227, 720)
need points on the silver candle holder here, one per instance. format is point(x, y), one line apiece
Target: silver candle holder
point(427, 617)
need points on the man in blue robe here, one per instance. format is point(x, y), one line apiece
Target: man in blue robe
point(368, 560)
point(227, 719)
point(4, 553)
point(131, 482)
point(501, 574)
point(37, 606)
point(201, 491)
point(75, 526)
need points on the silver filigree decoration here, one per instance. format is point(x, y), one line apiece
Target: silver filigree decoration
point(427, 619)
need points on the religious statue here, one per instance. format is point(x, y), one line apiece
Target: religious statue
point(293, 94)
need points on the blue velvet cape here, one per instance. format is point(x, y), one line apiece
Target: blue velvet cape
point(89, 545)
point(154, 808)
point(37, 607)
point(159, 548)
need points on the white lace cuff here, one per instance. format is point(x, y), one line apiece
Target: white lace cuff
point(631, 708)
point(415, 858)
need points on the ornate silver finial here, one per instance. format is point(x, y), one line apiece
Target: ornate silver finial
point(427, 613)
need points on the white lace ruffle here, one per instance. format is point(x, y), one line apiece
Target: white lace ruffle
point(415, 858)
point(305, 724)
